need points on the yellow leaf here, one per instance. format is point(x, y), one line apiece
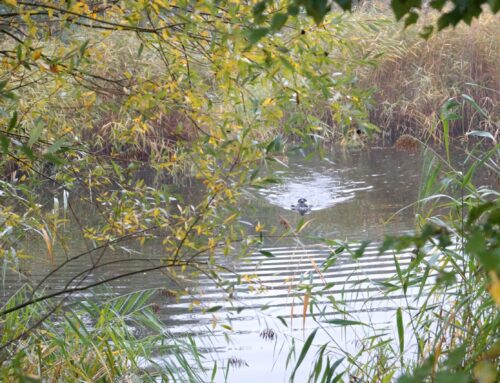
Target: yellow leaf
point(48, 243)
point(12, 3)
point(212, 141)
point(494, 288)
point(259, 227)
point(211, 243)
point(231, 217)
point(267, 101)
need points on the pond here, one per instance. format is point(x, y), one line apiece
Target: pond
point(354, 196)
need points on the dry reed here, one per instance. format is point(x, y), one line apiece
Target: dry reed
point(416, 77)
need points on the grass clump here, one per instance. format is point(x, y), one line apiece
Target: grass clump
point(94, 340)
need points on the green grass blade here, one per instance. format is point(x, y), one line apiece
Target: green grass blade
point(303, 353)
point(401, 332)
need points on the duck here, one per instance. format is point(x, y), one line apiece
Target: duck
point(302, 206)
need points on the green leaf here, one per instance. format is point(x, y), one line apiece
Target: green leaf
point(274, 146)
point(259, 8)
point(345, 322)
point(303, 353)
point(361, 250)
point(455, 357)
point(35, 134)
point(214, 309)
point(282, 320)
point(475, 243)
point(266, 253)
point(446, 278)
point(461, 12)
point(4, 142)
point(258, 12)
point(83, 47)
point(28, 152)
point(329, 262)
point(368, 127)
point(446, 135)
point(278, 20)
point(9, 95)
point(317, 9)
point(344, 4)
point(26, 64)
point(19, 52)
point(411, 18)
point(409, 379)
point(402, 7)
point(256, 34)
point(52, 158)
point(331, 369)
point(12, 122)
point(494, 218)
point(477, 211)
point(214, 372)
point(437, 4)
point(475, 105)
point(451, 377)
point(56, 146)
point(139, 53)
point(293, 9)
point(401, 331)
point(339, 250)
point(118, 171)
point(287, 63)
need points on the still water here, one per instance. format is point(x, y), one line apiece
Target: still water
point(354, 196)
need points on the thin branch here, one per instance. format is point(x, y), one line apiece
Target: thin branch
point(117, 26)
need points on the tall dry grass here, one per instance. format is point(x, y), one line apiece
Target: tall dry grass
point(415, 77)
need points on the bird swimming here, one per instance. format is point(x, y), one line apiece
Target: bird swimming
point(302, 206)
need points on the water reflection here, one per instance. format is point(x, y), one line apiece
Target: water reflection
point(352, 195)
point(322, 190)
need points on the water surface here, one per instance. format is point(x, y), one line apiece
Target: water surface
point(354, 196)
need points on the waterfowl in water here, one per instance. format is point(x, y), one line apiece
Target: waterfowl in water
point(302, 206)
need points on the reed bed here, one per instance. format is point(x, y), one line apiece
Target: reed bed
point(415, 78)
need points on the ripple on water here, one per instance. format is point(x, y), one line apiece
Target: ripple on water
point(321, 189)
